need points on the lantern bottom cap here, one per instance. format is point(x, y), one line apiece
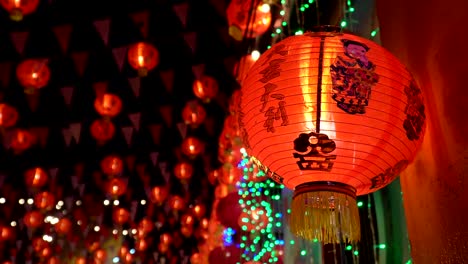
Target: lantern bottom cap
point(142, 72)
point(326, 211)
point(16, 15)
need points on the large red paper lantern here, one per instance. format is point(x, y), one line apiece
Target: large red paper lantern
point(143, 57)
point(19, 8)
point(331, 116)
point(244, 23)
point(33, 74)
point(108, 105)
point(8, 116)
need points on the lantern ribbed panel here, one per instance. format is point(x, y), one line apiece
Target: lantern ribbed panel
point(372, 147)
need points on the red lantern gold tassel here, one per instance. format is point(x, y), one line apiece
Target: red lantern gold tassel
point(326, 211)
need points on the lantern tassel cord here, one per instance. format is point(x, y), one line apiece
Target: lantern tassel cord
point(329, 217)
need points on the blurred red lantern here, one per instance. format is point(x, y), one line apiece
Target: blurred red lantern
point(205, 88)
point(143, 57)
point(120, 216)
point(141, 245)
point(116, 187)
point(80, 260)
point(35, 177)
point(186, 230)
point(242, 67)
point(39, 244)
point(159, 194)
point(193, 113)
point(44, 200)
point(45, 252)
point(229, 210)
point(177, 203)
point(63, 226)
point(165, 239)
point(100, 255)
point(192, 146)
point(183, 171)
point(112, 165)
point(230, 174)
point(213, 176)
point(33, 219)
point(6, 233)
point(195, 258)
point(222, 190)
point(102, 130)
point(33, 74)
point(199, 211)
point(244, 23)
point(21, 140)
point(8, 115)
point(187, 219)
point(53, 260)
point(341, 140)
point(108, 105)
point(19, 8)
point(146, 225)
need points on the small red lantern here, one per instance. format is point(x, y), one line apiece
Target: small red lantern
point(146, 225)
point(177, 203)
point(143, 57)
point(19, 8)
point(33, 219)
point(100, 255)
point(199, 211)
point(108, 105)
point(192, 146)
point(6, 233)
point(116, 187)
point(244, 24)
point(102, 130)
point(112, 165)
point(331, 116)
point(205, 88)
point(120, 216)
point(159, 194)
point(193, 113)
point(21, 140)
point(63, 226)
point(8, 116)
point(183, 171)
point(44, 200)
point(33, 74)
point(35, 177)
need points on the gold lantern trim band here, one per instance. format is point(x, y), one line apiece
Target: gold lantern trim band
point(326, 211)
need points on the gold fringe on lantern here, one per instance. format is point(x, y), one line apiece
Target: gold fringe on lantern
point(325, 211)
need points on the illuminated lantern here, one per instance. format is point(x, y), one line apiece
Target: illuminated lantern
point(143, 57)
point(19, 8)
point(195, 258)
point(33, 74)
point(205, 88)
point(192, 146)
point(108, 105)
point(6, 233)
point(213, 176)
point(21, 140)
point(242, 67)
point(193, 114)
point(177, 203)
point(141, 245)
point(159, 194)
point(199, 210)
point(44, 200)
point(331, 116)
point(8, 116)
point(116, 187)
point(63, 226)
point(100, 255)
point(244, 23)
point(35, 177)
point(53, 260)
point(165, 239)
point(187, 219)
point(186, 230)
point(102, 130)
point(183, 171)
point(120, 216)
point(112, 165)
point(146, 225)
point(33, 219)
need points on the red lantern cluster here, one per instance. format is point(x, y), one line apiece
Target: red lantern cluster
point(245, 23)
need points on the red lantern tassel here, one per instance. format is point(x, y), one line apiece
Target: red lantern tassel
point(326, 211)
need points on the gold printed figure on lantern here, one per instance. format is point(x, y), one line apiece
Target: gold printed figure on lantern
point(271, 72)
point(319, 145)
point(353, 77)
point(389, 175)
